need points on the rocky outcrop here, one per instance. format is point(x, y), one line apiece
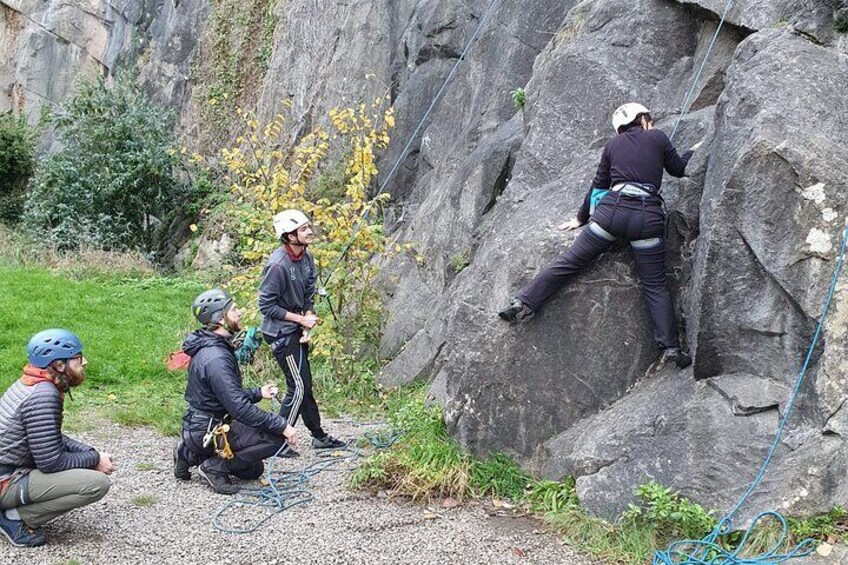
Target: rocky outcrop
point(45, 47)
point(753, 234)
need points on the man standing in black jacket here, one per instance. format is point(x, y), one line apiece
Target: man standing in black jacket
point(286, 300)
point(224, 432)
point(44, 473)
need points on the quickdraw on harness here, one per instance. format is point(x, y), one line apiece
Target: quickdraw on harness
point(216, 436)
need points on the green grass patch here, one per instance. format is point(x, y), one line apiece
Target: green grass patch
point(426, 464)
point(128, 327)
point(144, 500)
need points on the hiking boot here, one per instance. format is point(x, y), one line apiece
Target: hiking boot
point(181, 466)
point(681, 359)
point(19, 534)
point(517, 311)
point(220, 482)
point(327, 442)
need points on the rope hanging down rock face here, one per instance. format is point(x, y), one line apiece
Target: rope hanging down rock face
point(708, 550)
point(484, 20)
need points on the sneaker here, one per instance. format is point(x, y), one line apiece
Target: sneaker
point(19, 534)
point(517, 311)
point(287, 452)
point(220, 482)
point(680, 358)
point(181, 466)
point(327, 442)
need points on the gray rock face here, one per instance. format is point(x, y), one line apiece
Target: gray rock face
point(771, 208)
point(814, 18)
point(752, 237)
point(509, 389)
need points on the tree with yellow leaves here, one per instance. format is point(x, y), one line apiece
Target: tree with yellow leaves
point(266, 176)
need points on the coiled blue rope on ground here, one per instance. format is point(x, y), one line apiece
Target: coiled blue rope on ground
point(287, 489)
point(707, 551)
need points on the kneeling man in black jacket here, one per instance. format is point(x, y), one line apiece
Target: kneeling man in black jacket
point(224, 432)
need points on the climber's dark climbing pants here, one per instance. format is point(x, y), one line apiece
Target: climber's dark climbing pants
point(641, 221)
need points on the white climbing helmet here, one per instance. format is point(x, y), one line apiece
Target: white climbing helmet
point(626, 114)
point(288, 221)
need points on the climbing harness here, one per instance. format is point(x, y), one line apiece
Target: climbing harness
point(708, 550)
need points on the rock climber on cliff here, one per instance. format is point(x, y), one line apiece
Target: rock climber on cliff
point(624, 203)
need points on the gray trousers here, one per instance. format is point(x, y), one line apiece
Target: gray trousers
point(49, 495)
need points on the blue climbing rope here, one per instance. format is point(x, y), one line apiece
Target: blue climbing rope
point(287, 489)
point(689, 94)
point(284, 490)
point(708, 550)
point(480, 26)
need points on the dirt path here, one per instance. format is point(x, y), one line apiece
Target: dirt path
point(149, 517)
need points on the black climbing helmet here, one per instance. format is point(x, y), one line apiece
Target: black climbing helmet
point(210, 306)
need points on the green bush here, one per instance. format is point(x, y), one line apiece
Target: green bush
point(114, 175)
point(669, 513)
point(501, 477)
point(553, 496)
point(820, 527)
point(17, 162)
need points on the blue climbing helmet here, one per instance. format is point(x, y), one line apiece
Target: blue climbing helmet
point(52, 345)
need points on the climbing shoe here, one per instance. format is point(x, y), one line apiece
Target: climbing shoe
point(19, 534)
point(516, 312)
point(181, 466)
point(681, 359)
point(220, 482)
point(327, 442)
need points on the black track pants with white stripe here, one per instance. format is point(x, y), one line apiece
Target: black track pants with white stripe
point(293, 358)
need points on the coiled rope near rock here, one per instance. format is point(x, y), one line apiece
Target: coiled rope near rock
point(287, 489)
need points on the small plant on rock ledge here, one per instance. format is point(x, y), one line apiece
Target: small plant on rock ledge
point(458, 261)
point(518, 97)
point(840, 24)
point(782, 21)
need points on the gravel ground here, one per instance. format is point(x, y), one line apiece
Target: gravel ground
point(150, 517)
